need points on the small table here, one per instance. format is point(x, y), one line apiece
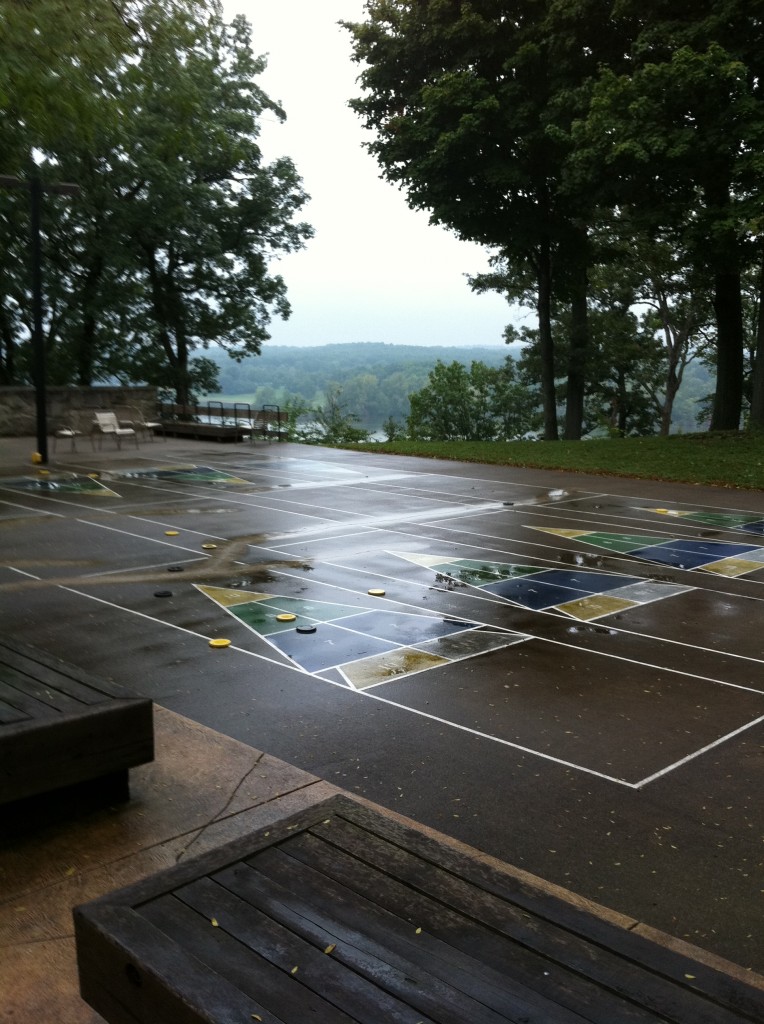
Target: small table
point(346, 914)
point(67, 739)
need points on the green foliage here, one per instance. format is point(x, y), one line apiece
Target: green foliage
point(569, 135)
point(167, 249)
point(481, 403)
point(330, 423)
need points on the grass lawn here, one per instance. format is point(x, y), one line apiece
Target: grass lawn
point(725, 459)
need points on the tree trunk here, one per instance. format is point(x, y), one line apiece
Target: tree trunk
point(7, 355)
point(546, 344)
point(579, 344)
point(86, 343)
point(756, 421)
point(672, 387)
point(728, 307)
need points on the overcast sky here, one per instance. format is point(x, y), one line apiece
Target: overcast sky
point(375, 270)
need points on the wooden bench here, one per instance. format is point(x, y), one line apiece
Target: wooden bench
point(219, 422)
point(344, 914)
point(67, 740)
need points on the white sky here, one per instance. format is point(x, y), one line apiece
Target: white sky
point(375, 270)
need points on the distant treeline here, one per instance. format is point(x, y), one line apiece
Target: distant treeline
point(376, 379)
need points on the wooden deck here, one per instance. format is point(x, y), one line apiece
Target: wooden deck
point(345, 914)
point(66, 739)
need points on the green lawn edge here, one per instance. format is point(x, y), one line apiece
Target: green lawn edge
point(720, 459)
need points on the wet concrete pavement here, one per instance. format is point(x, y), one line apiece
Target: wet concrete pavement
point(576, 703)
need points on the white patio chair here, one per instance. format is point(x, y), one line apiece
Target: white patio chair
point(106, 423)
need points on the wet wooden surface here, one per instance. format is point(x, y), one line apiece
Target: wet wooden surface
point(346, 914)
point(60, 727)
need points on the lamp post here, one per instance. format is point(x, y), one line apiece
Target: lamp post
point(36, 189)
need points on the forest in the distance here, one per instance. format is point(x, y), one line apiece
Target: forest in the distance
point(374, 380)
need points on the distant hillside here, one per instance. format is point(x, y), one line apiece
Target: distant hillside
point(376, 379)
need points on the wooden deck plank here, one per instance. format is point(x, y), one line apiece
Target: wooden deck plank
point(537, 978)
point(716, 986)
point(238, 964)
point(356, 923)
point(51, 671)
point(44, 699)
point(352, 995)
point(10, 714)
point(362, 881)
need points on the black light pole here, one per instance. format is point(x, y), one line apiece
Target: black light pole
point(36, 189)
point(38, 342)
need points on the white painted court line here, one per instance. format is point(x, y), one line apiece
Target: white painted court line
point(170, 625)
point(495, 739)
point(28, 508)
point(373, 696)
point(699, 753)
point(503, 602)
point(143, 536)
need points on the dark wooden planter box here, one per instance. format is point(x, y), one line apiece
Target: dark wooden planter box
point(66, 739)
point(342, 914)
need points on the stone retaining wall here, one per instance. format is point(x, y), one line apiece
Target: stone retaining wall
point(71, 407)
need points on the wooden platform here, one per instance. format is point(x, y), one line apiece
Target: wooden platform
point(345, 914)
point(216, 421)
point(66, 739)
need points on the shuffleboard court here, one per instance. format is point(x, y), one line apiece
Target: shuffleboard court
point(565, 672)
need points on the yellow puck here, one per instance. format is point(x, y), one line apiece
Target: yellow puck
point(209, 547)
point(286, 617)
point(171, 533)
point(44, 472)
point(376, 593)
point(220, 643)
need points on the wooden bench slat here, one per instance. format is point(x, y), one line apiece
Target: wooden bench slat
point(371, 987)
point(254, 975)
point(10, 714)
point(47, 699)
point(660, 995)
point(358, 922)
point(61, 728)
point(717, 985)
point(352, 993)
point(540, 982)
point(51, 671)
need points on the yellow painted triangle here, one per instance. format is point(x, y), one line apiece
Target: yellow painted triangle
point(595, 607)
point(428, 561)
point(732, 566)
point(561, 533)
point(227, 596)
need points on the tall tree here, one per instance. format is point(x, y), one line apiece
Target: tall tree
point(679, 134)
point(168, 247)
point(209, 214)
point(466, 101)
